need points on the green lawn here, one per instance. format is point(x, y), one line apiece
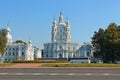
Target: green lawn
point(5, 64)
point(68, 65)
point(78, 65)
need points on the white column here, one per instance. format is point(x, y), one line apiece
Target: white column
point(19, 53)
point(66, 55)
point(63, 54)
point(72, 54)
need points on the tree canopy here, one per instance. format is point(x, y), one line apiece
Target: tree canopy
point(107, 43)
point(3, 40)
point(20, 41)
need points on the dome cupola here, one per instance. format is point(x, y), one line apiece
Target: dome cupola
point(8, 36)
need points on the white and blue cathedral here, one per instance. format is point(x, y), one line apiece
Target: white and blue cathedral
point(61, 45)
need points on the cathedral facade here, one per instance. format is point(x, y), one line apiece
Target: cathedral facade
point(61, 45)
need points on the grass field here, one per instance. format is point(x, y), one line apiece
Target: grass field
point(67, 65)
point(78, 65)
point(5, 64)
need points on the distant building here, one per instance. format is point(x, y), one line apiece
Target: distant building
point(86, 50)
point(20, 50)
point(37, 53)
point(61, 45)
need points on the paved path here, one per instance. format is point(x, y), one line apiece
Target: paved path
point(23, 65)
point(59, 74)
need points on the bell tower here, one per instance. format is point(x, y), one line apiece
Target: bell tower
point(61, 30)
point(54, 30)
point(61, 18)
point(8, 36)
point(68, 34)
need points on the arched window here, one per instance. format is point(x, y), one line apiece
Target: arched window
point(16, 53)
point(16, 48)
point(13, 53)
point(13, 48)
point(88, 54)
point(5, 60)
point(9, 48)
point(9, 60)
point(60, 37)
point(73, 48)
point(68, 48)
point(23, 54)
point(60, 47)
point(60, 55)
point(9, 53)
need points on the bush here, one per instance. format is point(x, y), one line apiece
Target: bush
point(40, 61)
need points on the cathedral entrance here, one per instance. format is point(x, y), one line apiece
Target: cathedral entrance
point(60, 55)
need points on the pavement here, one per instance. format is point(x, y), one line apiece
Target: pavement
point(34, 71)
point(23, 65)
point(58, 74)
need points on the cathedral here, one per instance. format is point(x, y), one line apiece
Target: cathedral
point(61, 45)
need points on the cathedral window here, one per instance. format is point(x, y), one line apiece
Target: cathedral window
point(68, 48)
point(13, 48)
point(23, 54)
point(6, 48)
point(9, 60)
point(58, 33)
point(16, 48)
point(9, 53)
point(22, 48)
point(74, 55)
point(60, 30)
point(60, 55)
point(5, 60)
point(47, 47)
point(73, 48)
point(60, 47)
point(60, 37)
point(13, 53)
point(46, 55)
point(64, 28)
point(9, 48)
point(88, 54)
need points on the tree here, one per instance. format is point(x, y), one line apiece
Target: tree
point(112, 38)
point(107, 43)
point(98, 41)
point(3, 40)
point(20, 41)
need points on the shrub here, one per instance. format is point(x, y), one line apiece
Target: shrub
point(40, 61)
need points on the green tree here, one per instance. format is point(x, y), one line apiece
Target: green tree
point(98, 41)
point(20, 41)
point(107, 43)
point(112, 39)
point(3, 40)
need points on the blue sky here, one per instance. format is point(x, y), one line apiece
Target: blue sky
point(33, 18)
